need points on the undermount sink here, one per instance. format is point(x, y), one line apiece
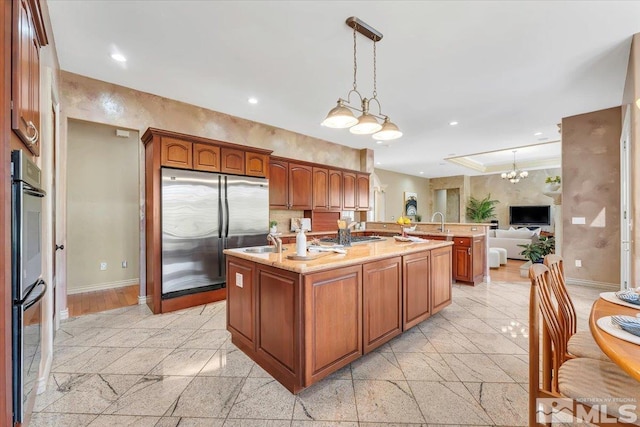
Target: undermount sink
point(262, 249)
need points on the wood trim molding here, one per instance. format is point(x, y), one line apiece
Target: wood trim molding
point(150, 132)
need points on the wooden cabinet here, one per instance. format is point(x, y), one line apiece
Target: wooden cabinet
point(333, 321)
point(416, 275)
point(355, 190)
point(327, 189)
point(241, 304)
point(232, 161)
point(176, 153)
point(440, 279)
point(256, 164)
point(206, 157)
point(468, 259)
point(28, 36)
point(290, 185)
point(381, 302)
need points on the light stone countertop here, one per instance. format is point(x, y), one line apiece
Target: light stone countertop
point(356, 254)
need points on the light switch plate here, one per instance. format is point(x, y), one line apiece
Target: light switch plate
point(239, 280)
point(578, 220)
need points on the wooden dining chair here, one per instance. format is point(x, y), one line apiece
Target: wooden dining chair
point(570, 387)
point(578, 343)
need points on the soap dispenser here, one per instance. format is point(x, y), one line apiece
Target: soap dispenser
point(301, 243)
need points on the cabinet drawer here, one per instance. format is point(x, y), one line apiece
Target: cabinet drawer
point(462, 241)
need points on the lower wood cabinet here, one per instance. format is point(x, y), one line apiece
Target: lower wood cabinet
point(468, 258)
point(440, 277)
point(416, 284)
point(240, 299)
point(382, 302)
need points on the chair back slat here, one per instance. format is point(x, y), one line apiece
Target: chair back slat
point(566, 309)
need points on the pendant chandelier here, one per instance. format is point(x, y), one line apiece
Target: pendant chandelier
point(341, 116)
point(515, 175)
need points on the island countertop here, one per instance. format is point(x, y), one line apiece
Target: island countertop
point(356, 254)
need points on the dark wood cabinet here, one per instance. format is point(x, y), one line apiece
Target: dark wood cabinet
point(28, 35)
point(256, 164)
point(290, 185)
point(320, 189)
point(232, 161)
point(462, 263)
point(241, 305)
point(381, 302)
point(362, 192)
point(416, 277)
point(440, 279)
point(468, 258)
point(206, 157)
point(176, 153)
point(349, 184)
point(335, 190)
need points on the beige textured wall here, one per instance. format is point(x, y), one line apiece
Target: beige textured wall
point(591, 189)
point(102, 206)
point(460, 182)
point(101, 102)
point(397, 184)
point(526, 192)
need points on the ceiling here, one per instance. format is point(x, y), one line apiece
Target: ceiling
point(506, 71)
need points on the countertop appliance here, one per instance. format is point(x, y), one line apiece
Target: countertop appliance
point(202, 214)
point(27, 286)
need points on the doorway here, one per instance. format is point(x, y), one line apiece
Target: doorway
point(103, 249)
point(447, 201)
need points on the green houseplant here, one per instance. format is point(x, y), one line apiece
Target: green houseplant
point(273, 226)
point(536, 250)
point(481, 210)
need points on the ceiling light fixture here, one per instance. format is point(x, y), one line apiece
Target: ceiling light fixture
point(537, 134)
point(341, 116)
point(453, 123)
point(515, 175)
point(118, 57)
point(252, 100)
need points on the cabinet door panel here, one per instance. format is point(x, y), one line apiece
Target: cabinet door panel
point(381, 302)
point(206, 157)
point(320, 189)
point(278, 184)
point(241, 302)
point(232, 161)
point(348, 191)
point(478, 259)
point(440, 279)
point(300, 186)
point(416, 284)
point(333, 320)
point(335, 190)
point(362, 199)
point(256, 164)
point(176, 153)
point(461, 264)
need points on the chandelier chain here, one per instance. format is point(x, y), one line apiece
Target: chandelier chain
point(375, 86)
point(355, 62)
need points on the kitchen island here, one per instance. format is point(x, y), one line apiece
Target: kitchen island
point(303, 320)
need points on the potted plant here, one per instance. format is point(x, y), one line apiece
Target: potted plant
point(536, 251)
point(481, 210)
point(273, 226)
point(553, 183)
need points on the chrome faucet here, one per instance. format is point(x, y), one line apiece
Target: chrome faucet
point(276, 240)
point(441, 229)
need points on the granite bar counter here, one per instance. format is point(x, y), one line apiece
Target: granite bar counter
point(303, 320)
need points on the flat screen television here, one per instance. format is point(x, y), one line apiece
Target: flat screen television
point(530, 215)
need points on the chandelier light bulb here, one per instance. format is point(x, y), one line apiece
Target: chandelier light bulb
point(340, 117)
point(367, 124)
point(514, 176)
point(388, 132)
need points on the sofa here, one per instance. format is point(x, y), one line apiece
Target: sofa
point(510, 239)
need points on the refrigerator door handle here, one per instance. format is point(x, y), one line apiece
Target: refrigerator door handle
point(226, 208)
point(220, 219)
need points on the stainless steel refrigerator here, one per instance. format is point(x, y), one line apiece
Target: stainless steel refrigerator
point(202, 214)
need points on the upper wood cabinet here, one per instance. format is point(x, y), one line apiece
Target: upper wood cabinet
point(335, 190)
point(27, 38)
point(176, 153)
point(206, 157)
point(348, 191)
point(290, 185)
point(232, 161)
point(362, 192)
point(327, 189)
point(256, 164)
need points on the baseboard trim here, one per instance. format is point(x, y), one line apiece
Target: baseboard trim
point(103, 286)
point(64, 314)
point(593, 284)
point(142, 299)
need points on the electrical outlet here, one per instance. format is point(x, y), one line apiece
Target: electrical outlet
point(578, 263)
point(103, 266)
point(124, 264)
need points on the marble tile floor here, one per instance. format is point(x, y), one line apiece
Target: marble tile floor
point(466, 365)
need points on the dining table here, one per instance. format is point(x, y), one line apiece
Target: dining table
point(623, 353)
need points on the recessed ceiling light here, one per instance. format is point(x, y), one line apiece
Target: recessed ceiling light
point(253, 100)
point(378, 163)
point(537, 134)
point(379, 142)
point(118, 57)
point(453, 123)
point(421, 173)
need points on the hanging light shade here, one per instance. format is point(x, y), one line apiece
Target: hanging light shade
point(515, 175)
point(340, 117)
point(388, 132)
